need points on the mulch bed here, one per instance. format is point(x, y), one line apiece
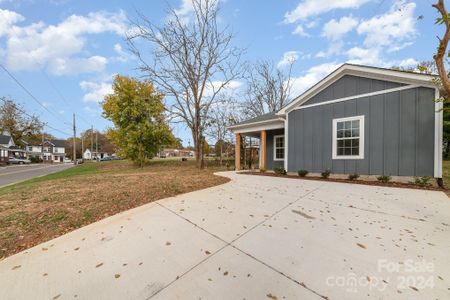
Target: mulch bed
point(363, 182)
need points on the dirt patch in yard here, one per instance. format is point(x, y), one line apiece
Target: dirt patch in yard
point(37, 212)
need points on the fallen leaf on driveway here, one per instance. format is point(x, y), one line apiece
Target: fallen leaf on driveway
point(361, 245)
point(270, 296)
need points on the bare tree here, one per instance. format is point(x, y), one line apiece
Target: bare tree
point(223, 114)
point(441, 53)
point(268, 88)
point(192, 61)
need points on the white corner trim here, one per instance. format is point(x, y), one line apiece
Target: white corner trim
point(361, 137)
point(275, 148)
point(286, 135)
point(382, 92)
point(438, 135)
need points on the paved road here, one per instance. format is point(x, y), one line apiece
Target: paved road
point(255, 237)
point(16, 173)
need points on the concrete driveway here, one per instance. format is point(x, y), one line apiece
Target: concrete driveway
point(16, 173)
point(253, 238)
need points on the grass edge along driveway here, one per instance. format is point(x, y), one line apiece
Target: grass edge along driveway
point(42, 208)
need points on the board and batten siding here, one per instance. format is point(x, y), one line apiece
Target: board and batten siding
point(270, 162)
point(399, 135)
point(350, 85)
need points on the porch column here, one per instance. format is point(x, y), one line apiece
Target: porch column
point(263, 149)
point(237, 152)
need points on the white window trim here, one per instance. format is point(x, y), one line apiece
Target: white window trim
point(275, 147)
point(361, 138)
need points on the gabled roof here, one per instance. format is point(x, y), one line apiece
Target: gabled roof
point(4, 139)
point(272, 116)
point(57, 143)
point(406, 77)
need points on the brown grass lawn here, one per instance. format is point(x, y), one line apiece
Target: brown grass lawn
point(40, 209)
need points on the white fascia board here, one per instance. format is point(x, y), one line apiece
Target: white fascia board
point(275, 124)
point(361, 71)
point(438, 135)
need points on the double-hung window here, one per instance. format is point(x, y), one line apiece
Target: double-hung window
point(278, 147)
point(348, 138)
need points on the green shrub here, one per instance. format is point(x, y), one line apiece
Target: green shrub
point(262, 170)
point(384, 178)
point(302, 173)
point(325, 174)
point(35, 159)
point(353, 176)
point(423, 181)
point(279, 170)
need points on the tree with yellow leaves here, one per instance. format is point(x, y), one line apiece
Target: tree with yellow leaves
point(137, 111)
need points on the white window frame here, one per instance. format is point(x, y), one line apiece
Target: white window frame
point(361, 138)
point(275, 147)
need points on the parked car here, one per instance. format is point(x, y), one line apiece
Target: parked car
point(106, 158)
point(80, 161)
point(67, 160)
point(18, 161)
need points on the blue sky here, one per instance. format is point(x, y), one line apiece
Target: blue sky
point(66, 52)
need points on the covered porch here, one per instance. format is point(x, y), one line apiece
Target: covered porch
point(269, 131)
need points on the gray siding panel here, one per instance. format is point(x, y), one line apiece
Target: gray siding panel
point(407, 153)
point(271, 164)
point(426, 115)
point(350, 86)
point(399, 134)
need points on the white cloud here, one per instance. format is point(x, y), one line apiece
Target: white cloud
point(59, 47)
point(186, 8)
point(288, 58)
point(335, 30)
point(300, 31)
point(334, 48)
point(364, 56)
point(122, 55)
point(7, 19)
point(408, 62)
point(309, 8)
point(312, 76)
point(390, 29)
point(72, 66)
point(230, 88)
point(95, 91)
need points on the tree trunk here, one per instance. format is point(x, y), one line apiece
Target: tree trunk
point(221, 149)
point(202, 160)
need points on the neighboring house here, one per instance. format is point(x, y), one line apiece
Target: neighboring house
point(3, 155)
point(53, 151)
point(88, 154)
point(176, 153)
point(6, 142)
point(358, 119)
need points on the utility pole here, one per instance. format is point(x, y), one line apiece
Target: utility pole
point(82, 147)
point(42, 145)
point(74, 141)
point(96, 142)
point(92, 142)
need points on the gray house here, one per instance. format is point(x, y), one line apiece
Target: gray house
point(358, 119)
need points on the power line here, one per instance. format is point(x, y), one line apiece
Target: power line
point(44, 123)
point(58, 92)
point(31, 95)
